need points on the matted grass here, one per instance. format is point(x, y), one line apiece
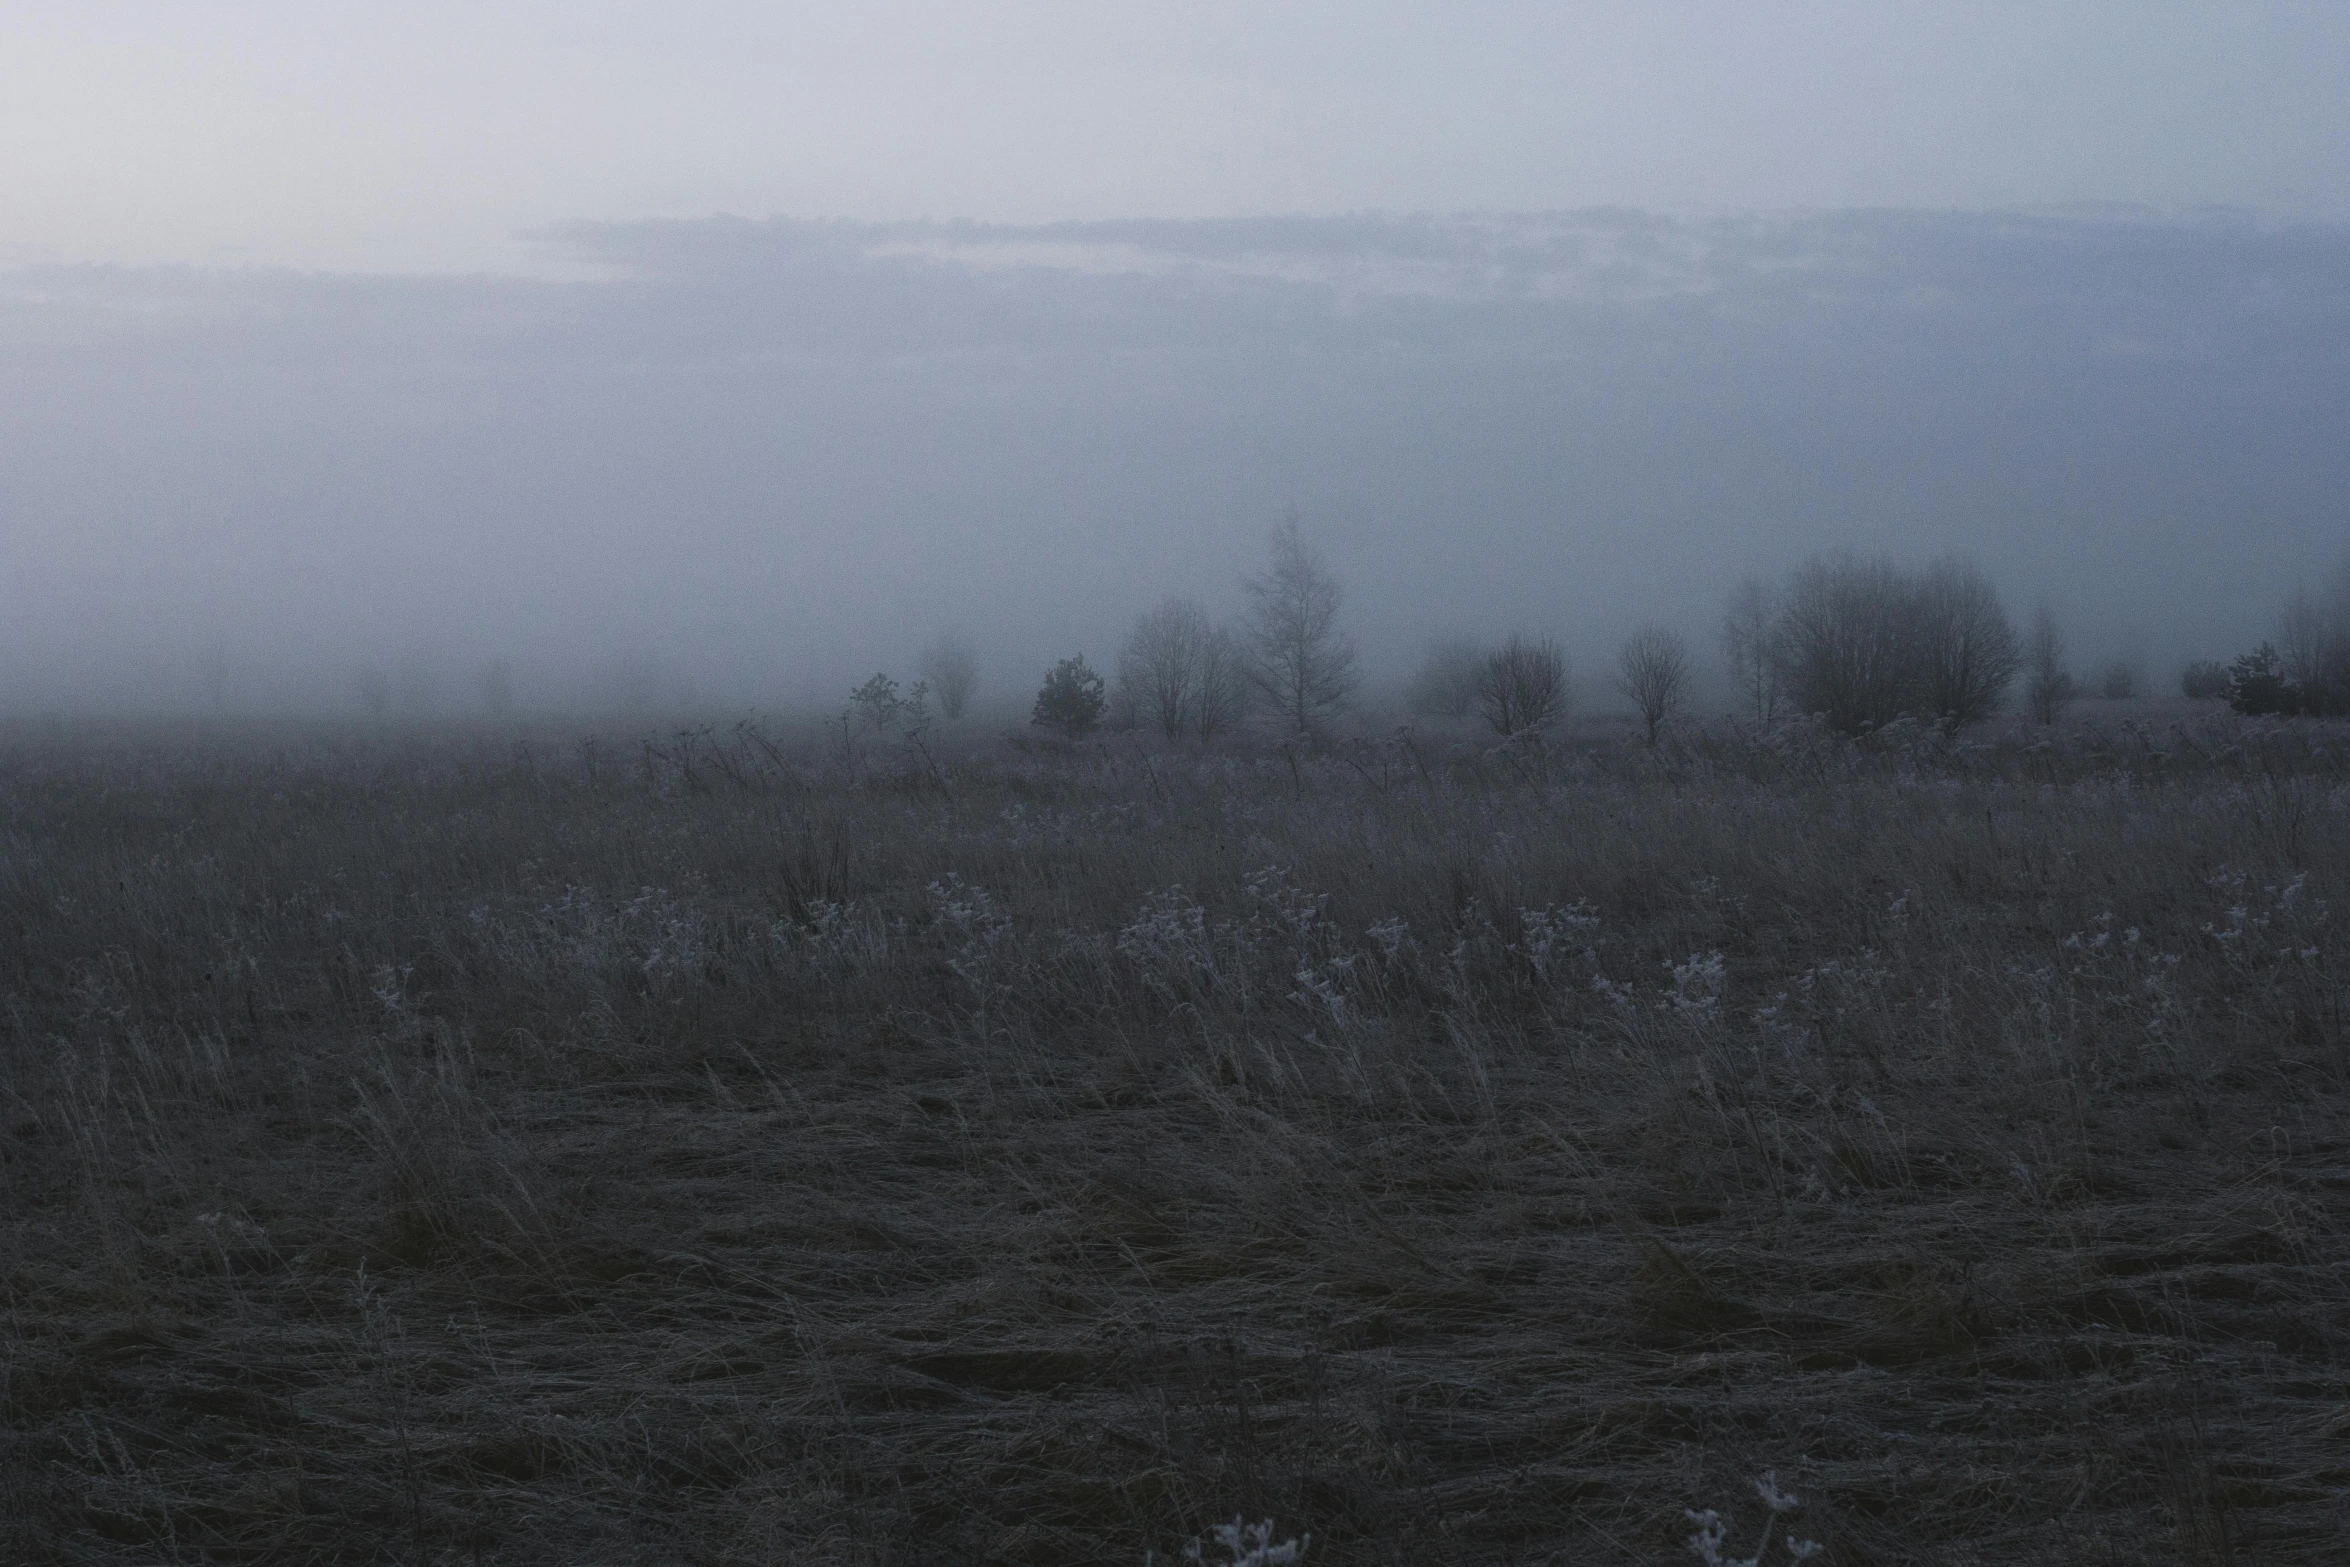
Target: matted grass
point(449, 1148)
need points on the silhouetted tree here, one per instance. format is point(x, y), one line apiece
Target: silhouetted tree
point(1749, 647)
point(1522, 686)
point(1966, 647)
point(2048, 684)
point(1301, 664)
point(1445, 685)
point(1847, 642)
point(1160, 668)
point(1653, 670)
point(877, 702)
point(1070, 700)
point(1221, 699)
point(2313, 646)
point(948, 667)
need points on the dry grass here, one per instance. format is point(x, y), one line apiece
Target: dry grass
point(456, 1150)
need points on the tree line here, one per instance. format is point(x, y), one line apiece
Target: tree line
point(1857, 642)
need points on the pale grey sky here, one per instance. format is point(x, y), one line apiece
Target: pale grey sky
point(430, 134)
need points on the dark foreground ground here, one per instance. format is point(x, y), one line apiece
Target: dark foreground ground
point(462, 1148)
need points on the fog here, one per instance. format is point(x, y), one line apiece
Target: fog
point(750, 462)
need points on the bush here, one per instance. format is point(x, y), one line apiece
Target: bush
point(2204, 680)
point(1861, 643)
point(1070, 700)
point(2118, 681)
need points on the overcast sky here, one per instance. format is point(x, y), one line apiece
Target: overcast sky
point(431, 133)
point(750, 345)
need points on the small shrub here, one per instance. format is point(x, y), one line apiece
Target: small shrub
point(2118, 681)
point(877, 701)
point(1071, 699)
point(2204, 680)
point(2257, 685)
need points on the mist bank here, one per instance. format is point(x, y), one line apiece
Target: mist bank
point(751, 462)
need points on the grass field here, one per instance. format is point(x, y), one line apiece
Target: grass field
point(456, 1147)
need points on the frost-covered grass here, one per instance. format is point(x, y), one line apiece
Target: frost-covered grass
point(476, 1148)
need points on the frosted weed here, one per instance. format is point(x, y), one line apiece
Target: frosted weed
point(1245, 1545)
point(1712, 1532)
point(1169, 943)
point(1697, 984)
point(1551, 936)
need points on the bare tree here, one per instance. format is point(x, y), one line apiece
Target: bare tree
point(1847, 642)
point(1522, 686)
point(1445, 685)
point(2313, 644)
point(2048, 684)
point(1748, 646)
point(1301, 664)
point(1653, 670)
point(2301, 637)
point(952, 673)
point(1220, 698)
point(1966, 646)
point(1159, 668)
